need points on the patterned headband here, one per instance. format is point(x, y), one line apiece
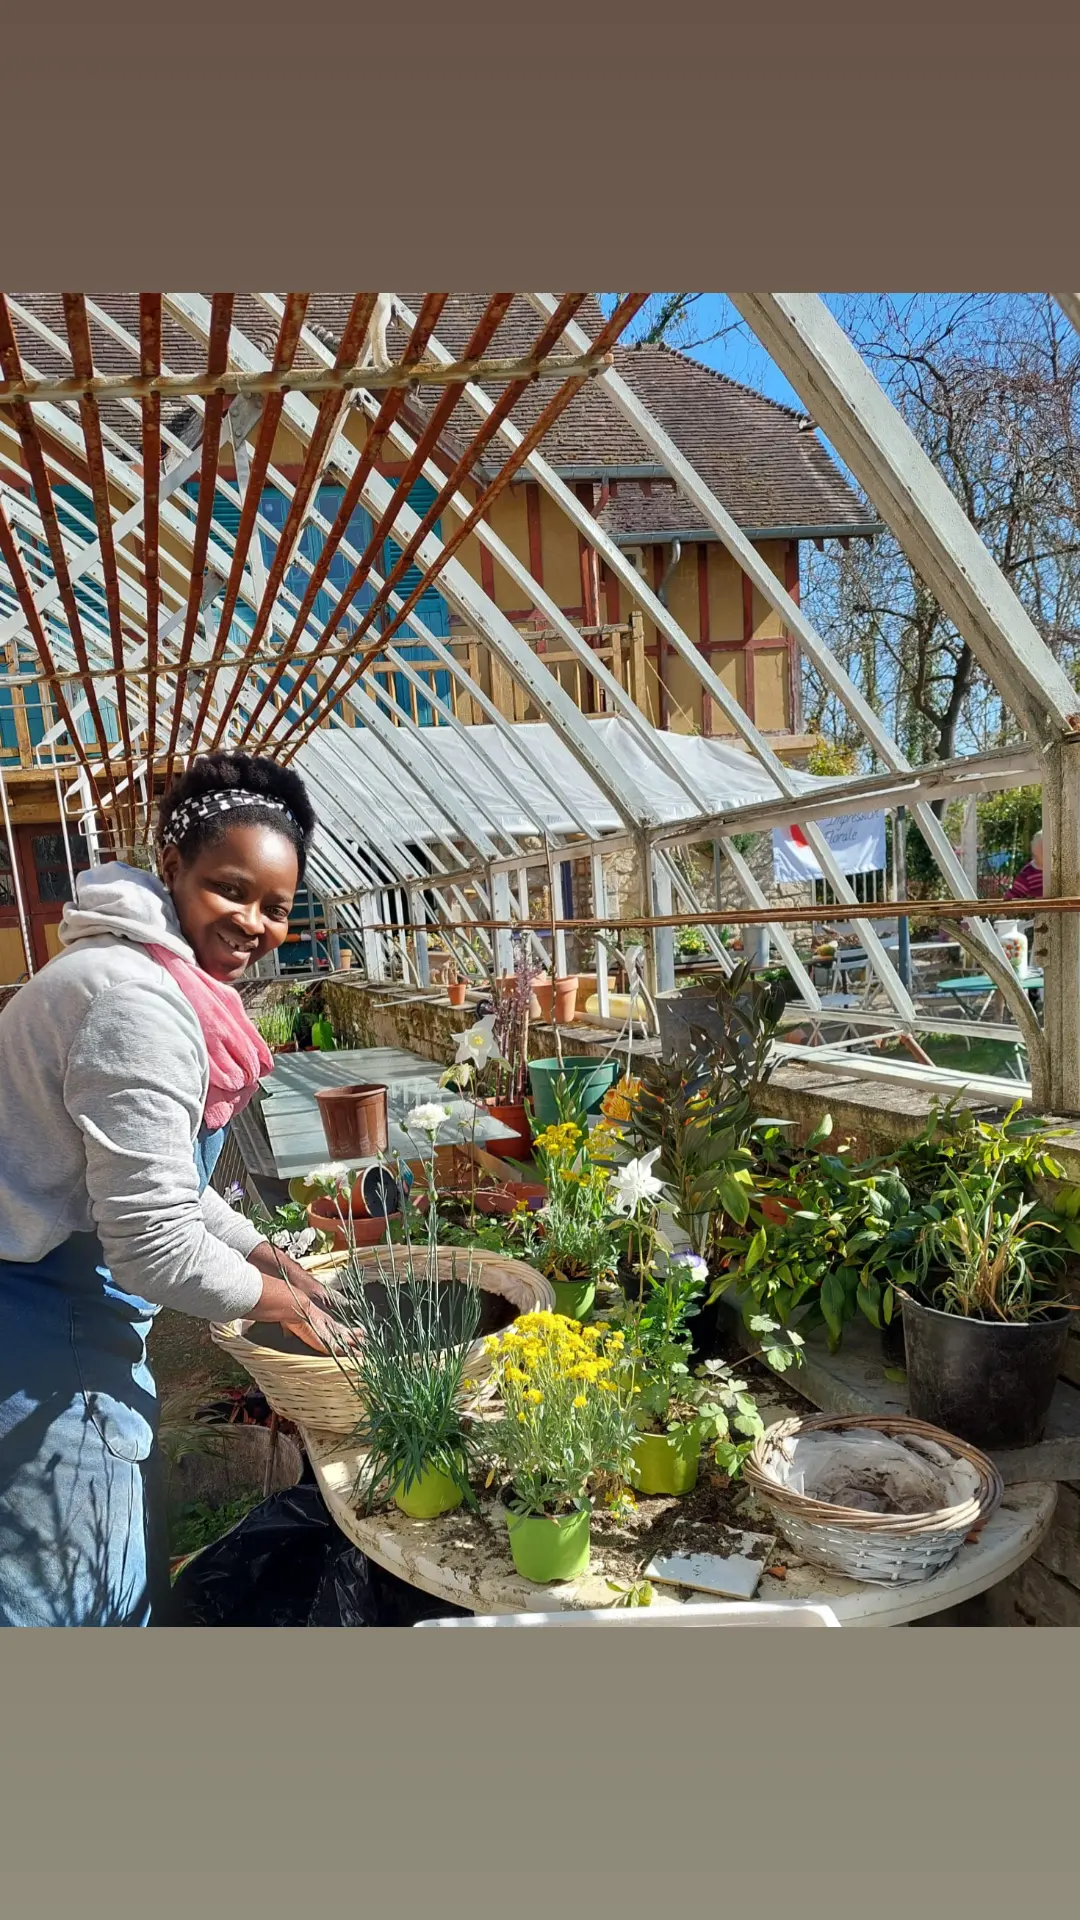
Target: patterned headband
point(209, 804)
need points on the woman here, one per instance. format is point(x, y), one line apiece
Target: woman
point(121, 1064)
point(1028, 884)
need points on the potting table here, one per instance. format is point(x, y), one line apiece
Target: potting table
point(291, 1117)
point(464, 1559)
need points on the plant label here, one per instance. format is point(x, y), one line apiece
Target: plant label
point(732, 1573)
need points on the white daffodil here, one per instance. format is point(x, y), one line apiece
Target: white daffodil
point(477, 1044)
point(634, 1183)
point(428, 1117)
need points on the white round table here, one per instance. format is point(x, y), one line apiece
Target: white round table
point(464, 1558)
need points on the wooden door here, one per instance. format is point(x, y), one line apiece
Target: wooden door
point(43, 869)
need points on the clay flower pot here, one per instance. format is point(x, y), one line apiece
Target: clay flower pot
point(456, 991)
point(510, 1114)
point(566, 992)
point(354, 1120)
point(365, 1231)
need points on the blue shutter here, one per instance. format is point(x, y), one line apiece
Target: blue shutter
point(431, 608)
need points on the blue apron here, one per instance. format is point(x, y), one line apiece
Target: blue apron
point(82, 1523)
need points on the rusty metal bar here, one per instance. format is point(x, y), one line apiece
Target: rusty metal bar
point(305, 380)
point(329, 414)
point(82, 359)
point(795, 916)
point(494, 313)
point(217, 356)
point(150, 365)
point(426, 322)
point(33, 454)
point(619, 320)
point(284, 355)
point(12, 556)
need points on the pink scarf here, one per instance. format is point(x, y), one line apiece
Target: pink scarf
point(239, 1056)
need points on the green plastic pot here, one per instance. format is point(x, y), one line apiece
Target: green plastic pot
point(545, 1550)
point(574, 1298)
point(434, 1493)
point(667, 1462)
point(322, 1036)
point(589, 1079)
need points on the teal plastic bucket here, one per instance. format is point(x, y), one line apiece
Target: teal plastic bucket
point(590, 1080)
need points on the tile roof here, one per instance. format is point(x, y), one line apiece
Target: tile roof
point(749, 450)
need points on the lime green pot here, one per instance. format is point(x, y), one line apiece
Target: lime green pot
point(573, 1298)
point(667, 1462)
point(546, 1550)
point(432, 1494)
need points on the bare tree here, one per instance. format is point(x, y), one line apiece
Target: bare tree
point(990, 385)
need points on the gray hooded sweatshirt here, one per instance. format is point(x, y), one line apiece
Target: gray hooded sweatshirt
point(103, 1081)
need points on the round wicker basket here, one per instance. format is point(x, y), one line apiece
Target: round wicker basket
point(881, 1548)
point(314, 1391)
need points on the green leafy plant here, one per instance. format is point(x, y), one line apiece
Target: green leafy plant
point(975, 1237)
point(697, 1108)
point(198, 1523)
point(277, 1024)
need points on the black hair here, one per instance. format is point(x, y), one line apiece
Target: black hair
point(238, 772)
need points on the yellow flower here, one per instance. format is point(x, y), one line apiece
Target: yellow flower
point(521, 1419)
point(533, 1394)
point(580, 1400)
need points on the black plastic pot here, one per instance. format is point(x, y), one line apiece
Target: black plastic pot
point(989, 1382)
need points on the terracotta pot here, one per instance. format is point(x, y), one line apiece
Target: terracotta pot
point(346, 959)
point(354, 1120)
point(506, 985)
point(323, 1215)
point(376, 1193)
point(544, 997)
point(456, 991)
point(566, 992)
point(510, 1114)
point(287, 1046)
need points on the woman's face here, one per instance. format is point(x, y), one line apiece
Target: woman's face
point(233, 898)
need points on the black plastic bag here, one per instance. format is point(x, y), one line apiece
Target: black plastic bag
point(355, 1592)
point(287, 1565)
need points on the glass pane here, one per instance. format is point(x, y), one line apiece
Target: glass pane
point(50, 863)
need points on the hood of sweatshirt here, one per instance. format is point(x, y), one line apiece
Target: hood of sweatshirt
point(126, 903)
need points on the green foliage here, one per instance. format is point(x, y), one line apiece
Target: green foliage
point(697, 1108)
point(277, 1023)
point(198, 1524)
point(407, 1366)
point(1008, 822)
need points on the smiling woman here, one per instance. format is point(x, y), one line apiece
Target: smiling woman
point(121, 1064)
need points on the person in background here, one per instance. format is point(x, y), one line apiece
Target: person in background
point(1028, 884)
point(121, 1064)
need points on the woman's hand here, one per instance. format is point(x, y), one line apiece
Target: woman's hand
point(293, 1299)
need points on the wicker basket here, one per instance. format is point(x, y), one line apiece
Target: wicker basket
point(883, 1549)
point(314, 1391)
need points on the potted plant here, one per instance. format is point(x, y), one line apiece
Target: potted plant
point(572, 1238)
point(277, 1025)
point(981, 1267)
point(694, 1111)
point(565, 1434)
point(407, 1364)
point(456, 991)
